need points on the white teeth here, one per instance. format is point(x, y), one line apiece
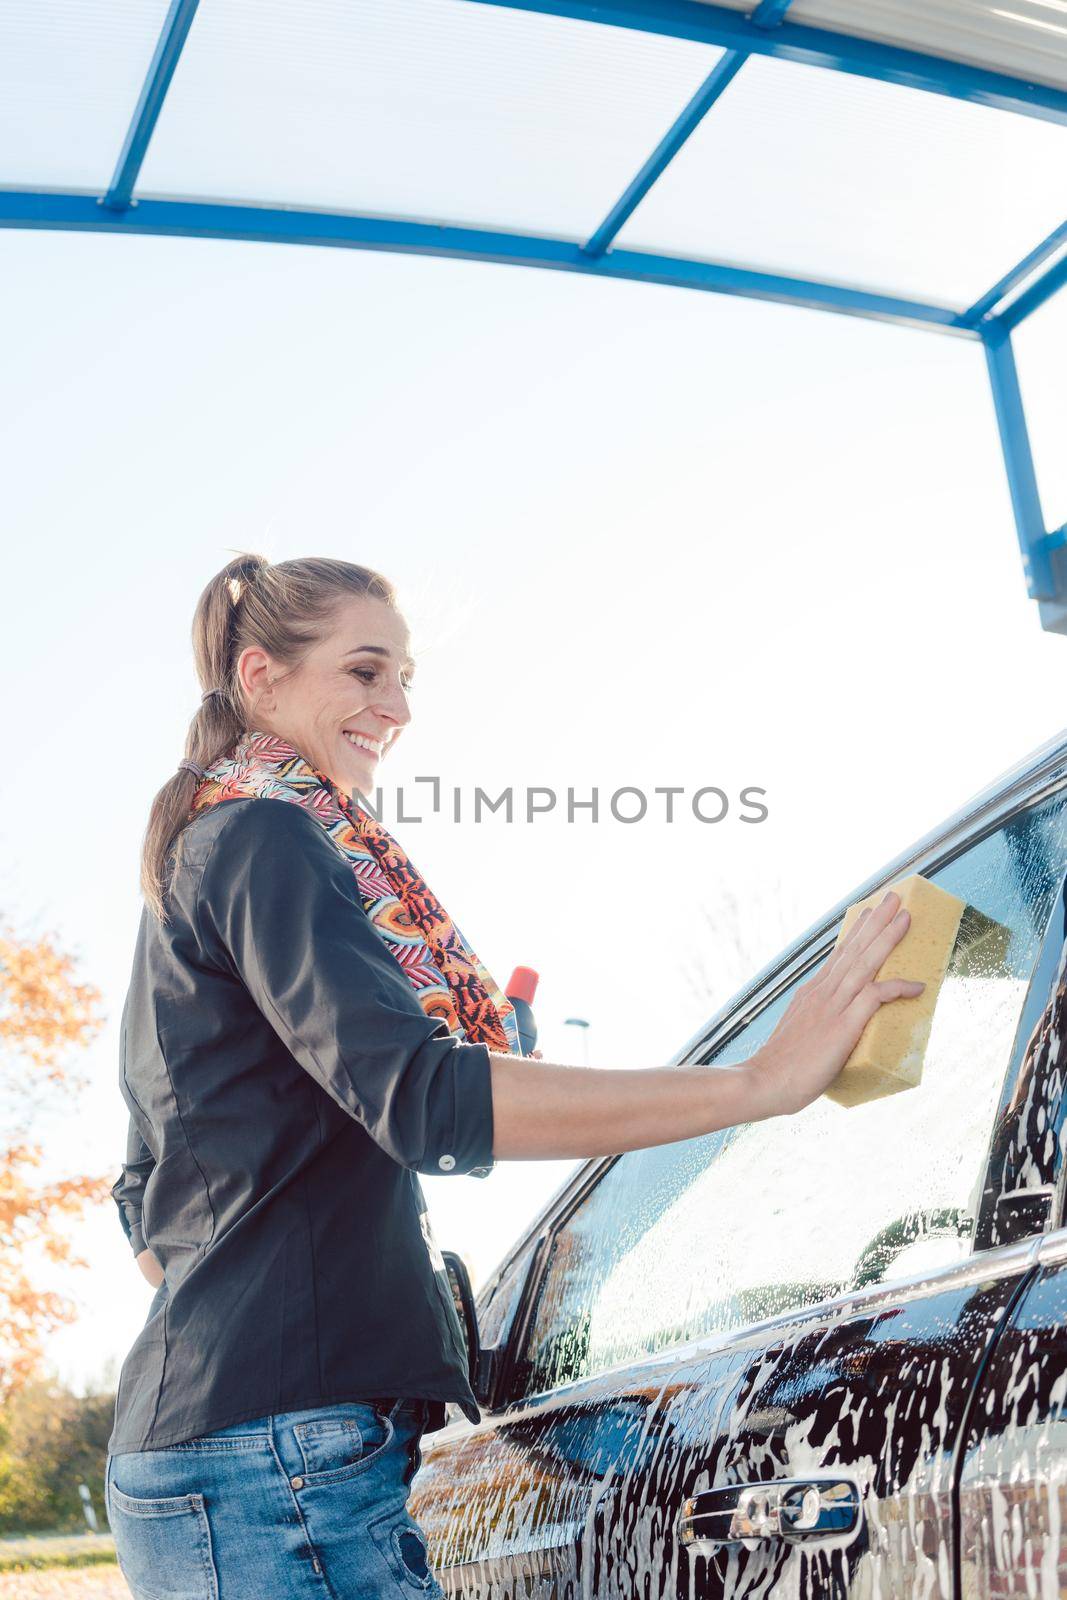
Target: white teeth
point(373, 745)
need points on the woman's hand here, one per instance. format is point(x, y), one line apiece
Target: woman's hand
point(822, 1023)
point(151, 1268)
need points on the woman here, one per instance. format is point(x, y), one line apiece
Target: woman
point(305, 1031)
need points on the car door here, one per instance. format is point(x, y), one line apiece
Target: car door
point(1013, 1488)
point(506, 1506)
point(794, 1302)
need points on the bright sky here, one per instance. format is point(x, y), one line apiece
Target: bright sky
point(644, 537)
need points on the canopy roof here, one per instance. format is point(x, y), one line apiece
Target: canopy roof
point(783, 154)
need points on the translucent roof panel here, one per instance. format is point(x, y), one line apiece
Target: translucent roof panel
point(1027, 38)
point(1045, 398)
point(821, 174)
point(1024, 38)
point(420, 108)
point(70, 76)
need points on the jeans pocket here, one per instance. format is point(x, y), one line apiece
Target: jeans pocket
point(342, 1441)
point(163, 1544)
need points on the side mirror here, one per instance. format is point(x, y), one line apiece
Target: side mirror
point(463, 1299)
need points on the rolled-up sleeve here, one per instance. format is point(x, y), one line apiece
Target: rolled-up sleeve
point(279, 904)
point(128, 1191)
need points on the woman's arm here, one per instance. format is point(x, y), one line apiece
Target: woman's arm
point(545, 1111)
point(128, 1195)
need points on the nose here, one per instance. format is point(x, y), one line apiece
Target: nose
point(393, 705)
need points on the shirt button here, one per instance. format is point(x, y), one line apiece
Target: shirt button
point(446, 1163)
point(297, 1483)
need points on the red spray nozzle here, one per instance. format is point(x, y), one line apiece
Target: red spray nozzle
point(522, 985)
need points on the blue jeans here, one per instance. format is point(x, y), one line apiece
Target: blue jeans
point(310, 1505)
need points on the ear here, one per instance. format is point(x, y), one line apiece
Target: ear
point(254, 668)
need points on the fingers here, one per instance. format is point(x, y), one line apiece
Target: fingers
point(829, 974)
point(870, 924)
point(898, 988)
point(869, 963)
point(871, 998)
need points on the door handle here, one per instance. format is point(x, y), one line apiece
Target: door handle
point(789, 1509)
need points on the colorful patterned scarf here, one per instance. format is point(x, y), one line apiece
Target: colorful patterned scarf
point(448, 979)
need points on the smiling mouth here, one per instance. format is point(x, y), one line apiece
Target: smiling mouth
point(363, 741)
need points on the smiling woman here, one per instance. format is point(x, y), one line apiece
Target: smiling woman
point(305, 1031)
point(263, 640)
point(346, 710)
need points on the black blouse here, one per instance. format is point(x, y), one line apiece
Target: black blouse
point(285, 1087)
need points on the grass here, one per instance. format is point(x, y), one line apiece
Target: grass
point(37, 1555)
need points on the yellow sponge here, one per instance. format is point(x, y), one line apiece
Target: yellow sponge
point(889, 1052)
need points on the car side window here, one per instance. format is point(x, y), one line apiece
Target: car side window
point(711, 1234)
point(496, 1310)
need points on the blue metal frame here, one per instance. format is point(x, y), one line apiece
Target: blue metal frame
point(1000, 291)
point(1046, 578)
point(721, 75)
point(205, 220)
point(769, 13)
point(1044, 288)
point(167, 53)
point(1035, 544)
point(765, 32)
point(814, 47)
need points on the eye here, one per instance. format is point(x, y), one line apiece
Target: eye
point(369, 674)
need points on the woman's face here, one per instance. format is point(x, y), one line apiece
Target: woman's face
point(347, 702)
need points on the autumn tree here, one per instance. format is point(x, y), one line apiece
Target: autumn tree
point(45, 1015)
point(50, 1441)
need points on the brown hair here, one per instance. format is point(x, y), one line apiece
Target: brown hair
point(283, 609)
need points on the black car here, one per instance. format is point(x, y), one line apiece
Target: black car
point(821, 1355)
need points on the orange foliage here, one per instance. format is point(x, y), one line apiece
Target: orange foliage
point(44, 1014)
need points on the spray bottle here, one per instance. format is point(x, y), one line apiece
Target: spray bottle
point(522, 986)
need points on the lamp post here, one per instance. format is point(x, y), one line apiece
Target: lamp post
point(87, 1507)
point(582, 1024)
